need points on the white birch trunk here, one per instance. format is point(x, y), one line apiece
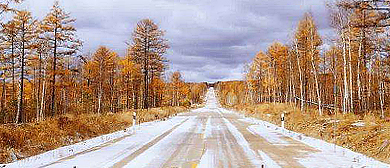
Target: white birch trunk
point(350, 73)
point(346, 95)
point(43, 96)
point(300, 78)
point(358, 77)
point(315, 74)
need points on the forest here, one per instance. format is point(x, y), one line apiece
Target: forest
point(331, 88)
point(44, 73)
point(349, 75)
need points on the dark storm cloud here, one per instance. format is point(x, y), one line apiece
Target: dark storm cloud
point(210, 40)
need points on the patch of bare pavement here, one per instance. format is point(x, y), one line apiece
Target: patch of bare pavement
point(205, 137)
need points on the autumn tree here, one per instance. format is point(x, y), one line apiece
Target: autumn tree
point(307, 46)
point(102, 66)
point(7, 6)
point(9, 33)
point(231, 93)
point(127, 72)
point(278, 54)
point(147, 49)
point(40, 62)
point(26, 26)
point(59, 32)
point(259, 77)
point(177, 84)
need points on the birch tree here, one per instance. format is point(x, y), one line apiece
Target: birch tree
point(307, 45)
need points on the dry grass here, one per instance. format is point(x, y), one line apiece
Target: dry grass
point(372, 139)
point(21, 141)
point(158, 113)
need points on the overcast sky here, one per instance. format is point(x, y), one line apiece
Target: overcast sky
point(210, 40)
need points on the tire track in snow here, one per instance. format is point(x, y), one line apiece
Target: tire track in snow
point(207, 132)
point(284, 155)
point(207, 160)
point(181, 147)
point(268, 162)
point(252, 156)
point(127, 159)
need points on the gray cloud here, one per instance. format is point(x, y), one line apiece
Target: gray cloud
point(210, 40)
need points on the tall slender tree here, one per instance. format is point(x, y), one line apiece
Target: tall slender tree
point(9, 39)
point(103, 62)
point(147, 49)
point(26, 26)
point(61, 35)
point(308, 42)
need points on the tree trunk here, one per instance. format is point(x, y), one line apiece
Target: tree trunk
point(43, 96)
point(358, 78)
point(346, 94)
point(20, 113)
point(300, 79)
point(146, 73)
point(3, 100)
point(100, 94)
point(381, 92)
point(369, 106)
point(315, 74)
point(13, 67)
point(350, 73)
point(317, 88)
point(39, 85)
point(54, 74)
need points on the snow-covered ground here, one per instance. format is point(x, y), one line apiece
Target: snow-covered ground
point(105, 153)
point(328, 154)
point(206, 137)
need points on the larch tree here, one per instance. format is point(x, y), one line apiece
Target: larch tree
point(147, 49)
point(9, 33)
point(26, 26)
point(278, 54)
point(7, 6)
point(103, 62)
point(177, 84)
point(259, 73)
point(127, 72)
point(61, 35)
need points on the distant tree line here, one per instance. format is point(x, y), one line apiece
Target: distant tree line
point(352, 75)
point(44, 74)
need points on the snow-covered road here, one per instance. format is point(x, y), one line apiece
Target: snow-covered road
point(205, 137)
